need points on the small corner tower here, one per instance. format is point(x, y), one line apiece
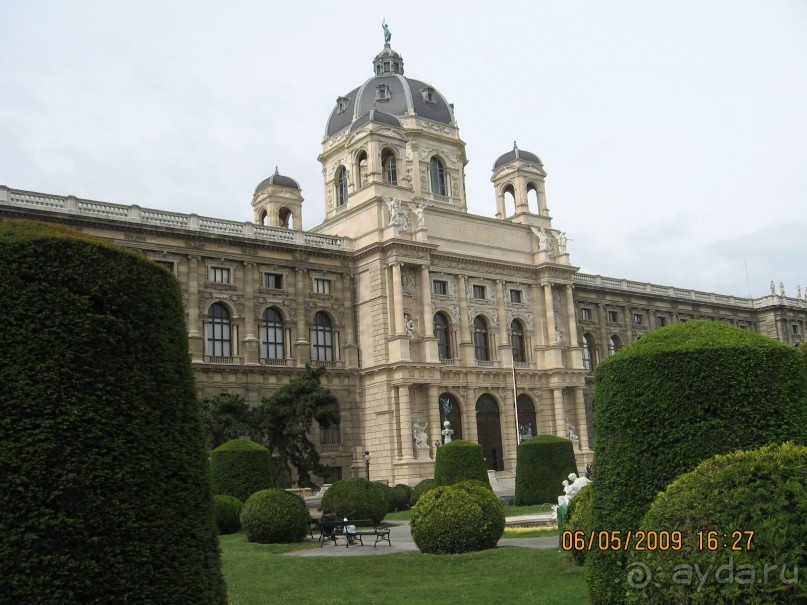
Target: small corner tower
point(278, 202)
point(518, 176)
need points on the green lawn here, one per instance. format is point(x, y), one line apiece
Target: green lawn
point(259, 574)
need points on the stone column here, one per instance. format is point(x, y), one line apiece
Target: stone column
point(560, 412)
point(550, 315)
point(602, 318)
point(426, 301)
point(628, 314)
point(505, 346)
point(433, 404)
point(302, 348)
point(466, 345)
point(397, 297)
point(195, 336)
point(582, 419)
point(416, 185)
point(250, 342)
point(406, 422)
point(508, 428)
point(539, 316)
point(570, 311)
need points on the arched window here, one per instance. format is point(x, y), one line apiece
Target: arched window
point(442, 329)
point(614, 344)
point(361, 168)
point(532, 198)
point(589, 352)
point(389, 166)
point(454, 415)
point(219, 331)
point(341, 186)
point(481, 352)
point(322, 338)
point(527, 427)
point(509, 195)
point(285, 217)
point(272, 342)
point(437, 176)
point(262, 217)
point(517, 340)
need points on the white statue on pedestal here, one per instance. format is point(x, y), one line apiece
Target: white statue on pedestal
point(571, 488)
point(420, 435)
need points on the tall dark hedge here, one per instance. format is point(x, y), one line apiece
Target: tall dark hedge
point(542, 464)
point(676, 397)
point(460, 460)
point(240, 468)
point(104, 487)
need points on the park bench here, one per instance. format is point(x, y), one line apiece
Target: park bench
point(330, 530)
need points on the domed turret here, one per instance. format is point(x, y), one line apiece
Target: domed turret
point(277, 202)
point(518, 175)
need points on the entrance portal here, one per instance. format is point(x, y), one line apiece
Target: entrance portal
point(489, 432)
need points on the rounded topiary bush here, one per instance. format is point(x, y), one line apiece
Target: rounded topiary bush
point(460, 460)
point(457, 518)
point(398, 498)
point(758, 495)
point(678, 396)
point(274, 516)
point(543, 463)
point(420, 489)
point(240, 468)
point(356, 499)
point(105, 492)
point(228, 513)
point(578, 519)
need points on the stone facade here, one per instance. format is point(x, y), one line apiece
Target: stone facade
point(407, 298)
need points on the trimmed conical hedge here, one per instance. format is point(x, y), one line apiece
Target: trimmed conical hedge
point(460, 460)
point(104, 486)
point(543, 463)
point(240, 468)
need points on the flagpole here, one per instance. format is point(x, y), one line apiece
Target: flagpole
point(515, 404)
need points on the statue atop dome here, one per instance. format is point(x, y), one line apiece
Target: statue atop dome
point(387, 34)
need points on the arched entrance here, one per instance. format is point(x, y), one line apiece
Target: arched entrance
point(489, 431)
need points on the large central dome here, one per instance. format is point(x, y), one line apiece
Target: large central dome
point(390, 92)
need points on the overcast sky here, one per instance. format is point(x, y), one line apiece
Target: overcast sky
point(674, 134)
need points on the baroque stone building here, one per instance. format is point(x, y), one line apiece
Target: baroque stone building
point(421, 311)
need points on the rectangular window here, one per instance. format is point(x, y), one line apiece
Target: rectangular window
point(585, 314)
point(637, 319)
point(273, 281)
point(661, 321)
point(440, 287)
point(220, 275)
point(613, 317)
point(330, 436)
point(322, 286)
point(168, 265)
point(479, 292)
point(795, 329)
point(515, 296)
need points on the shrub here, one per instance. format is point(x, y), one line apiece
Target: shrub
point(274, 516)
point(420, 489)
point(240, 468)
point(761, 492)
point(578, 518)
point(460, 460)
point(399, 497)
point(676, 397)
point(356, 499)
point(105, 493)
point(542, 464)
point(228, 511)
point(457, 518)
